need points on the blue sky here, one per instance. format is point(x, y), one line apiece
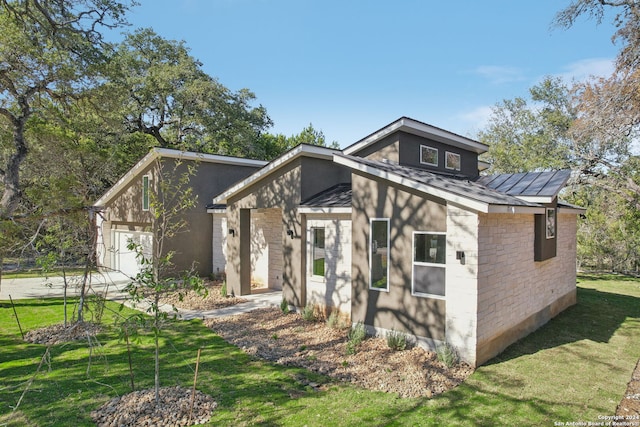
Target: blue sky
point(351, 67)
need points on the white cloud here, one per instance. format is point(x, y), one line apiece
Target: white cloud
point(587, 68)
point(498, 74)
point(478, 118)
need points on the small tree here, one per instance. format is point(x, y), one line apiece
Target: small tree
point(169, 201)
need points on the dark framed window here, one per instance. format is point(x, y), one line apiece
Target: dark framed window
point(428, 155)
point(145, 193)
point(379, 254)
point(429, 259)
point(452, 161)
point(318, 256)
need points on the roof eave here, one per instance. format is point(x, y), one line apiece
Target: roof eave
point(324, 210)
point(465, 202)
point(415, 127)
point(537, 199)
point(296, 152)
point(157, 152)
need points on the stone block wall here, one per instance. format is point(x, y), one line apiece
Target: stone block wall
point(516, 295)
point(461, 278)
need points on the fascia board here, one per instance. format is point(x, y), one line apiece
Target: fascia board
point(405, 182)
point(300, 150)
point(216, 211)
point(511, 209)
point(536, 199)
point(572, 210)
point(209, 158)
point(323, 210)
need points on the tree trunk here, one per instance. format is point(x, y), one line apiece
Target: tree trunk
point(11, 179)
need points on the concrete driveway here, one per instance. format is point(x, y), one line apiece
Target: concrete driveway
point(41, 287)
point(114, 283)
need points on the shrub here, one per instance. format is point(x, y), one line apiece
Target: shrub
point(284, 306)
point(309, 313)
point(335, 321)
point(223, 289)
point(447, 354)
point(396, 341)
point(356, 335)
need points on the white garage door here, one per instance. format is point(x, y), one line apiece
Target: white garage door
point(125, 260)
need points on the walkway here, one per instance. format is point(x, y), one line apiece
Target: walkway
point(114, 284)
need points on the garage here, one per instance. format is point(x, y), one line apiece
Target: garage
point(124, 260)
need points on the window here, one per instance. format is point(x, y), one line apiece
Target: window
point(379, 254)
point(551, 223)
point(145, 193)
point(317, 251)
point(428, 155)
point(452, 161)
point(429, 259)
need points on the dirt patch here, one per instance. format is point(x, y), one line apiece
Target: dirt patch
point(289, 340)
point(58, 334)
point(191, 300)
point(630, 404)
point(139, 409)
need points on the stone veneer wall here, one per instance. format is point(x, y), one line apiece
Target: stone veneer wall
point(266, 247)
point(461, 290)
point(516, 295)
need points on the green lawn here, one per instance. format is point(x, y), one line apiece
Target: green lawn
point(573, 369)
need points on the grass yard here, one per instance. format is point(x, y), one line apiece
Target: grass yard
point(575, 368)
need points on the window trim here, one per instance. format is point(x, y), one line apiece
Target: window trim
point(312, 251)
point(146, 187)
point(546, 223)
point(429, 148)
point(446, 161)
point(426, 264)
point(369, 253)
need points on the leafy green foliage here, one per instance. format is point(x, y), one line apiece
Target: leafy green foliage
point(284, 306)
point(356, 335)
point(396, 341)
point(447, 354)
point(526, 136)
point(309, 313)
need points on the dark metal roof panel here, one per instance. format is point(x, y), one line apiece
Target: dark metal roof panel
point(338, 196)
point(458, 186)
point(545, 184)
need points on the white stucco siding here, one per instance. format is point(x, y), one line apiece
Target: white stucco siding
point(461, 281)
point(512, 287)
point(333, 291)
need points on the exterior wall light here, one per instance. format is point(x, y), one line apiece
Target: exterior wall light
point(232, 232)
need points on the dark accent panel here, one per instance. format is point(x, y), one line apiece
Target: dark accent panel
point(245, 251)
point(544, 248)
point(319, 175)
point(410, 155)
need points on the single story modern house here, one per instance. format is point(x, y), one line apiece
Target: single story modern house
point(124, 212)
point(400, 231)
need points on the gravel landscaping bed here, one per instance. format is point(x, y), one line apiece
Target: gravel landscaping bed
point(192, 301)
point(289, 340)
